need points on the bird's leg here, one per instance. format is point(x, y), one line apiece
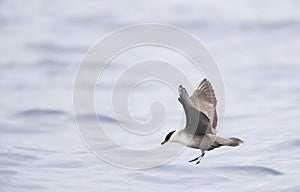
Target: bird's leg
point(195, 159)
point(202, 154)
point(199, 159)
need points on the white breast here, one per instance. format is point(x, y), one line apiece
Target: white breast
point(194, 141)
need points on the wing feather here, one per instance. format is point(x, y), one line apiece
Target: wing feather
point(204, 100)
point(197, 123)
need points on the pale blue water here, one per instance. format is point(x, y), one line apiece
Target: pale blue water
point(255, 43)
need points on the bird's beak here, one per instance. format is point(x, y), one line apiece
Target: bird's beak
point(163, 142)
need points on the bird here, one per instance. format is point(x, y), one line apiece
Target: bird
point(201, 121)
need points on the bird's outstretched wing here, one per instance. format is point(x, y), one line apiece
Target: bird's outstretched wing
point(197, 123)
point(204, 100)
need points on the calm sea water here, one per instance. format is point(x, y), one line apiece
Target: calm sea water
point(255, 43)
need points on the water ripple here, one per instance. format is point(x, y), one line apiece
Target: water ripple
point(253, 170)
point(40, 112)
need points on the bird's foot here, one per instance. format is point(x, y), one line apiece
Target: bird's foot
point(199, 158)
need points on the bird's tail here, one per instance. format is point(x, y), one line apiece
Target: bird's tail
point(220, 141)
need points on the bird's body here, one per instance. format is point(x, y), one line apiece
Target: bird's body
point(201, 121)
point(202, 142)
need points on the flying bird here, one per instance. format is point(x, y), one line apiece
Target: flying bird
point(201, 121)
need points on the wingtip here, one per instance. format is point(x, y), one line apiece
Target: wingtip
point(180, 88)
point(205, 80)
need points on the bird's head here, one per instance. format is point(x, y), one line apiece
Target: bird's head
point(168, 137)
